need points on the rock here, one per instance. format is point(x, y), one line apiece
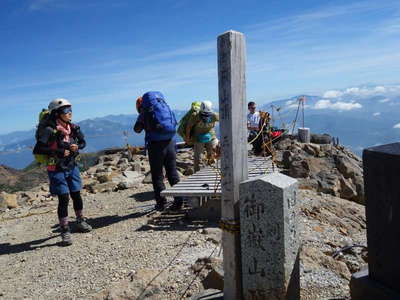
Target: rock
point(358, 182)
point(214, 279)
point(284, 144)
point(10, 200)
point(101, 187)
point(184, 164)
point(147, 179)
point(347, 167)
point(310, 150)
point(136, 166)
point(188, 172)
point(129, 179)
point(321, 138)
point(299, 169)
point(123, 161)
point(347, 190)
point(313, 258)
point(103, 177)
point(328, 183)
point(287, 158)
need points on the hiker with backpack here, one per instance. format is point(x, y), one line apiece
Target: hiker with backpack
point(200, 131)
point(159, 123)
point(58, 142)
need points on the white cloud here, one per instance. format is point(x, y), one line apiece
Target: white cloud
point(376, 114)
point(364, 91)
point(332, 94)
point(327, 104)
point(397, 125)
point(290, 102)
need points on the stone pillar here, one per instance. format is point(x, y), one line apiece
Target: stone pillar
point(304, 135)
point(270, 243)
point(382, 194)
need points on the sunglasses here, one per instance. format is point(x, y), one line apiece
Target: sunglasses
point(252, 107)
point(65, 110)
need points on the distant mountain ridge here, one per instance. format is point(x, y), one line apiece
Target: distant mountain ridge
point(100, 133)
point(360, 116)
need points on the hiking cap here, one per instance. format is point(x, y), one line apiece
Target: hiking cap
point(57, 103)
point(206, 106)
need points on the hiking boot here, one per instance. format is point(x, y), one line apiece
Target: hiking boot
point(160, 205)
point(82, 225)
point(66, 238)
point(177, 204)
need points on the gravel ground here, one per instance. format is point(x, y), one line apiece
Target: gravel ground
point(34, 266)
point(129, 247)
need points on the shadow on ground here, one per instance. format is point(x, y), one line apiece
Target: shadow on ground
point(103, 221)
point(176, 221)
point(7, 248)
point(143, 196)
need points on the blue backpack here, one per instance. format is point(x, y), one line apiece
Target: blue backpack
point(159, 120)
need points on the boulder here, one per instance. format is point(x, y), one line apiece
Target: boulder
point(348, 167)
point(313, 258)
point(147, 179)
point(358, 182)
point(129, 179)
point(328, 183)
point(215, 278)
point(321, 138)
point(9, 200)
point(103, 177)
point(299, 169)
point(347, 190)
point(101, 187)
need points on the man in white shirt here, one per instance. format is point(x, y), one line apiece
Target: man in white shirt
point(253, 117)
point(253, 126)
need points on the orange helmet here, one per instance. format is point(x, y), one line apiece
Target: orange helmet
point(139, 103)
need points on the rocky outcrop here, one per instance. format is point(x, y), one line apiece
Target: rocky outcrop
point(322, 167)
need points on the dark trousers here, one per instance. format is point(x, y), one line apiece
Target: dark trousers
point(256, 142)
point(63, 200)
point(162, 154)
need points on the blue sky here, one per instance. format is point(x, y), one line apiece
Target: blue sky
point(102, 54)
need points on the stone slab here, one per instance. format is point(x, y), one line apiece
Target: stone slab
point(362, 287)
point(269, 237)
point(382, 194)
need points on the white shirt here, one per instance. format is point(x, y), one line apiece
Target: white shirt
point(253, 120)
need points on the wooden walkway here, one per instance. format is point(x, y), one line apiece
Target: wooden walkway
point(206, 182)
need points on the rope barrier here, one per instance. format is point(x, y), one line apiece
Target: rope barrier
point(168, 265)
point(198, 274)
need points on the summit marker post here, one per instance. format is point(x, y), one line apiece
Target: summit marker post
point(232, 109)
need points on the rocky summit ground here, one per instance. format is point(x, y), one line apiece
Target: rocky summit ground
point(134, 251)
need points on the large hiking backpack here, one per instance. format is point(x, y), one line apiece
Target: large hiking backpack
point(159, 120)
point(194, 109)
point(41, 158)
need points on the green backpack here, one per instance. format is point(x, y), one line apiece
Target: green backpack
point(195, 108)
point(42, 159)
